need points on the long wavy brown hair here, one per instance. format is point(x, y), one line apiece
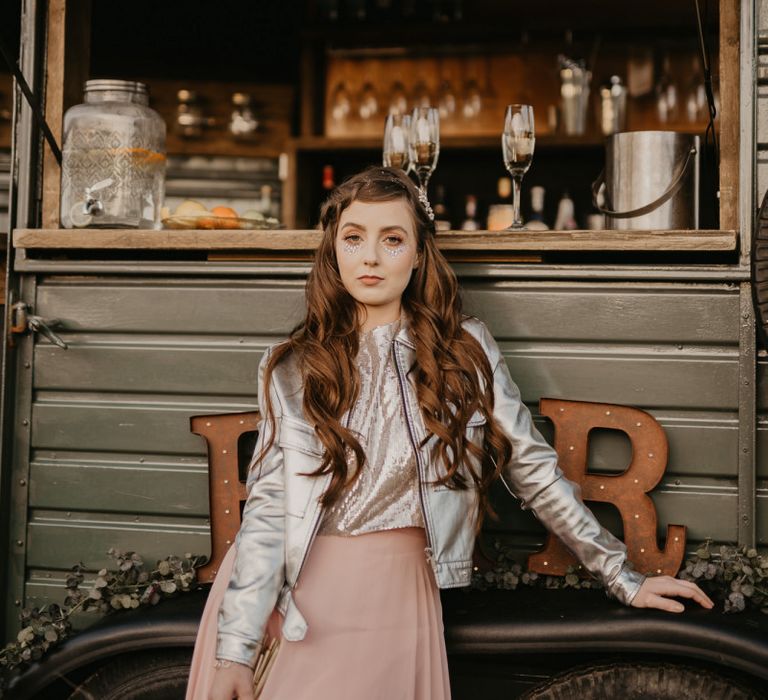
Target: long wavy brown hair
point(449, 366)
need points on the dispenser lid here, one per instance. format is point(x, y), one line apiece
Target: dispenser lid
point(131, 86)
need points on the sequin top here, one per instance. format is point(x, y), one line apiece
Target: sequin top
point(386, 495)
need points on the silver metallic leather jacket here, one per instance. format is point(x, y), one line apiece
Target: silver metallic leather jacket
point(282, 514)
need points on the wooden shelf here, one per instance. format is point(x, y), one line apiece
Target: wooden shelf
point(324, 143)
point(304, 240)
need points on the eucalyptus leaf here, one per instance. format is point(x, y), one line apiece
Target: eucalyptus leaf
point(26, 635)
point(163, 568)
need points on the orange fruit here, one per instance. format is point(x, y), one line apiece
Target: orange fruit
point(224, 212)
point(206, 222)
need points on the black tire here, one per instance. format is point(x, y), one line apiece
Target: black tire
point(640, 681)
point(158, 675)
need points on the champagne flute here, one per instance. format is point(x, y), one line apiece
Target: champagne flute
point(397, 128)
point(517, 144)
point(424, 147)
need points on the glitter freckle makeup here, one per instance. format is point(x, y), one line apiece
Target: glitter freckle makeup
point(350, 247)
point(394, 252)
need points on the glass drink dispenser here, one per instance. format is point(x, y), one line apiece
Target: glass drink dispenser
point(113, 167)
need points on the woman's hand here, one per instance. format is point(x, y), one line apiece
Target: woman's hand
point(235, 681)
point(654, 589)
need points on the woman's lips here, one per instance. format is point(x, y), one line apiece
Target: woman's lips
point(370, 280)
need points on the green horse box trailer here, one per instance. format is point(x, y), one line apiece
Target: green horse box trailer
point(115, 340)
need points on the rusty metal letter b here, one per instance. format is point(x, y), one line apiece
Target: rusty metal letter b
point(627, 491)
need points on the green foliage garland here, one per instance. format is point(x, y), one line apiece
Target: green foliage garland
point(129, 586)
point(734, 575)
point(508, 574)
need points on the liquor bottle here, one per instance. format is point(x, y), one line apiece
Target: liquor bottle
point(565, 220)
point(536, 221)
point(470, 210)
point(267, 205)
point(328, 179)
point(442, 219)
point(501, 214)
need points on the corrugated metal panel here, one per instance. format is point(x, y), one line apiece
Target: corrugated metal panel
point(114, 464)
point(152, 484)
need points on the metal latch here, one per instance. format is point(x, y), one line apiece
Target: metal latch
point(21, 320)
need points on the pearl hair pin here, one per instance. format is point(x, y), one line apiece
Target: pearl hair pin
point(427, 206)
point(422, 194)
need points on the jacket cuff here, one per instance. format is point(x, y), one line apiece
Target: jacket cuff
point(626, 585)
point(238, 649)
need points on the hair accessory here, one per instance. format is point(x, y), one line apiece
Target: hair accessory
point(427, 206)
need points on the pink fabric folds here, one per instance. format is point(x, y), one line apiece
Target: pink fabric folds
point(375, 624)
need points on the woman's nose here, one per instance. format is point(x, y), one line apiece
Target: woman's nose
point(371, 255)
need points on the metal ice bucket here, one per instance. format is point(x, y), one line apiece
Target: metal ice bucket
point(650, 181)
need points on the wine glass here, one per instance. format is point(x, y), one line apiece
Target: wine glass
point(398, 101)
point(421, 94)
point(341, 103)
point(446, 100)
point(473, 99)
point(369, 102)
point(424, 146)
point(517, 144)
point(397, 128)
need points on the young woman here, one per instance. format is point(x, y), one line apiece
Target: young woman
point(386, 415)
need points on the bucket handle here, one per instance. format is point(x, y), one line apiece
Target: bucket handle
point(672, 190)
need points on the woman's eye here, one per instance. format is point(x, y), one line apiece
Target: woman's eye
point(394, 240)
point(352, 238)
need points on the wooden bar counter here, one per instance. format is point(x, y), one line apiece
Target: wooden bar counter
point(307, 240)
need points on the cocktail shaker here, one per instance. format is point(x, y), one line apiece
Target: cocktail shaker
point(574, 94)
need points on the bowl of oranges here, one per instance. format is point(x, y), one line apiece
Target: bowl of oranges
point(191, 214)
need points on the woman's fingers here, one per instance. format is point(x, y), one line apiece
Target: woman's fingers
point(700, 597)
point(684, 589)
point(657, 601)
point(654, 589)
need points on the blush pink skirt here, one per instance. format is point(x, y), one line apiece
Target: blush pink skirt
point(375, 623)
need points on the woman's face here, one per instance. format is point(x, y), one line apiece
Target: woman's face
point(376, 251)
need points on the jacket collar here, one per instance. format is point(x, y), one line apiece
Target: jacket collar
point(404, 334)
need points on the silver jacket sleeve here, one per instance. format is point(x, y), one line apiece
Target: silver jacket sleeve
point(534, 477)
point(259, 568)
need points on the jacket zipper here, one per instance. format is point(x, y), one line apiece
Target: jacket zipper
point(430, 551)
point(316, 524)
